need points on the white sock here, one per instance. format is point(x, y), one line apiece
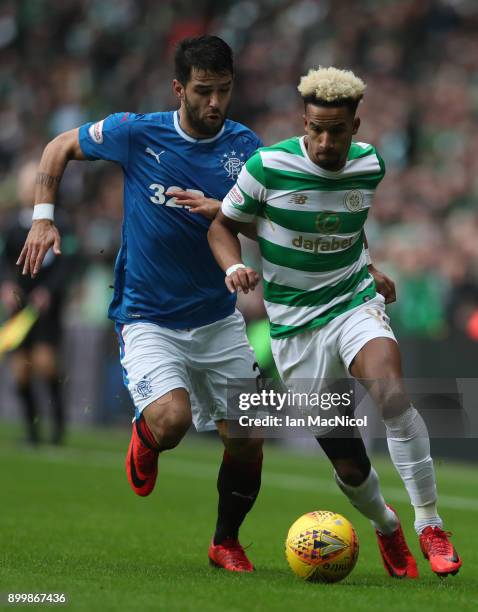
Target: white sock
point(426, 516)
point(369, 501)
point(409, 447)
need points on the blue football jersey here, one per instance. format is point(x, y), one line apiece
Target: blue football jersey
point(165, 272)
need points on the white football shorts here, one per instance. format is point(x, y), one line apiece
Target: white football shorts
point(156, 360)
point(306, 359)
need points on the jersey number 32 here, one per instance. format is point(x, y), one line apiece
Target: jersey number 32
point(159, 198)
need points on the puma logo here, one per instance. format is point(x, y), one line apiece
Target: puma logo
point(155, 155)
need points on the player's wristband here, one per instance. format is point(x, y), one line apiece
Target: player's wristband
point(43, 211)
point(368, 259)
point(233, 268)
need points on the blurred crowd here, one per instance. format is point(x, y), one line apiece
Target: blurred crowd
point(62, 64)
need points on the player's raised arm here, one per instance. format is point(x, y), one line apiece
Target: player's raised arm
point(44, 234)
point(226, 248)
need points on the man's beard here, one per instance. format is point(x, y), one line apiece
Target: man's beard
point(198, 124)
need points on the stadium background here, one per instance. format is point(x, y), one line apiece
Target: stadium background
point(66, 520)
point(65, 64)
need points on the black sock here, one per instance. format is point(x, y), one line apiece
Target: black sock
point(29, 410)
point(349, 458)
point(57, 409)
point(238, 484)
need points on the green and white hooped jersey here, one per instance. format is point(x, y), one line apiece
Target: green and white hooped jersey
point(310, 231)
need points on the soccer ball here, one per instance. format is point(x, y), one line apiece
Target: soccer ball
point(322, 546)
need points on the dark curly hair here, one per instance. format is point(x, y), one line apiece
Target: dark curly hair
point(209, 53)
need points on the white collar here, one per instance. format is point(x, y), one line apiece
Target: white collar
point(183, 134)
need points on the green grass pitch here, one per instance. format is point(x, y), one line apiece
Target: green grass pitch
point(70, 524)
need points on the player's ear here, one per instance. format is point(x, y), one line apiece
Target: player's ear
point(356, 125)
point(178, 89)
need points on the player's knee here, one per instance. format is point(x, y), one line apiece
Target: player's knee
point(169, 418)
point(170, 429)
point(350, 472)
point(170, 434)
point(247, 450)
point(392, 399)
point(253, 450)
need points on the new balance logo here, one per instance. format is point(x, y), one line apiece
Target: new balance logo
point(298, 198)
point(155, 155)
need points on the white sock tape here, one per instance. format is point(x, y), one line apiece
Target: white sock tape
point(43, 211)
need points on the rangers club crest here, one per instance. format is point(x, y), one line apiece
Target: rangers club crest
point(144, 387)
point(232, 163)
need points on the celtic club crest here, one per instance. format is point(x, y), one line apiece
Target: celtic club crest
point(353, 200)
point(327, 222)
point(232, 163)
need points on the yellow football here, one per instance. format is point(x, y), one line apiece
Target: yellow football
point(322, 546)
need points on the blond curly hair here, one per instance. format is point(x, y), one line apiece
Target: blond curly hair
point(331, 85)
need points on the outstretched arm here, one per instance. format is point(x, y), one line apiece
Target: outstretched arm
point(226, 248)
point(208, 207)
point(44, 234)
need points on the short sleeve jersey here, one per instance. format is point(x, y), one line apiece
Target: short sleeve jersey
point(310, 231)
point(165, 272)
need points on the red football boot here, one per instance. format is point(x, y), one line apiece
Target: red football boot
point(229, 555)
point(142, 459)
point(396, 556)
point(440, 552)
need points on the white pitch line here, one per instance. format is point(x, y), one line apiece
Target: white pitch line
point(278, 480)
point(291, 482)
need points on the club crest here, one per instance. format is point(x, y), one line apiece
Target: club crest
point(144, 388)
point(232, 163)
point(353, 200)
